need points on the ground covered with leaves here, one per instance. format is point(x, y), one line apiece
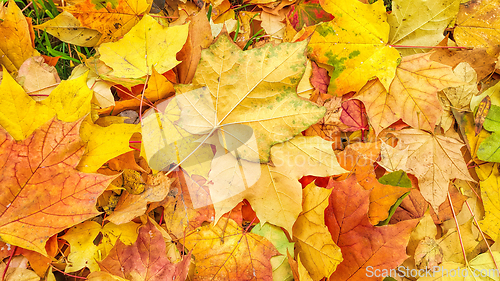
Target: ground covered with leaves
point(257, 140)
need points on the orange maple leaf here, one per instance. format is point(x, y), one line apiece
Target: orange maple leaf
point(364, 247)
point(42, 192)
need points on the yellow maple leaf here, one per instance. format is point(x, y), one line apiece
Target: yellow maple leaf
point(274, 190)
point(104, 143)
point(148, 44)
point(16, 43)
point(355, 44)
point(489, 194)
point(227, 252)
point(20, 115)
point(420, 23)
point(85, 252)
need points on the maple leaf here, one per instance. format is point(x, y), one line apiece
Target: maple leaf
point(476, 27)
point(355, 44)
point(199, 38)
point(412, 96)
point(16, 41)
point(145, 46)
point(354, 115)
point(358, 158)
point(68, 29)
point(85, 252)
point(17, 270)
point(393, 159)
point(434, 160)
point(45, 193)
point(145, 259)
point(307, 13)
point(254, 114)
point(111, 19)
point(20, 115)
point(225, 251)
point(189, 206)
point(478, 58)
point(319, 253)
point(104, 143)
point(420, 23)
point(362, 244)
point(36, 77)
point(276, 195)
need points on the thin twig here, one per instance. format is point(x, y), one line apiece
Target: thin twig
point(430, 47)
point(458, 230)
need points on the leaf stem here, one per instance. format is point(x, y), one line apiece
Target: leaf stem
point(8, 263)
point(482, 234)
point(67, 274)
point(458, 230)
point(142, 98)
point(430, 47)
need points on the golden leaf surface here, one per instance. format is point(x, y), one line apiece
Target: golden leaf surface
point(318, 252)
point(355, 44)
point(412, 95)
point(227, 252)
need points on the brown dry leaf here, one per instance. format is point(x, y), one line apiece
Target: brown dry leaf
point(477, 58)
point(37, 78)
point(444, 211)
point(18, 270)
point(131, 206)
point(434, 160)
point(274, 25)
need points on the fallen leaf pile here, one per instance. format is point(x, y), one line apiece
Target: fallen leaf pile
point(255, 140)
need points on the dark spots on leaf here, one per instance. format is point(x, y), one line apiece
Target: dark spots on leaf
point(117, 25)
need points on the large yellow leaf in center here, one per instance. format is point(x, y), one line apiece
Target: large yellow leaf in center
point(248, 99)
